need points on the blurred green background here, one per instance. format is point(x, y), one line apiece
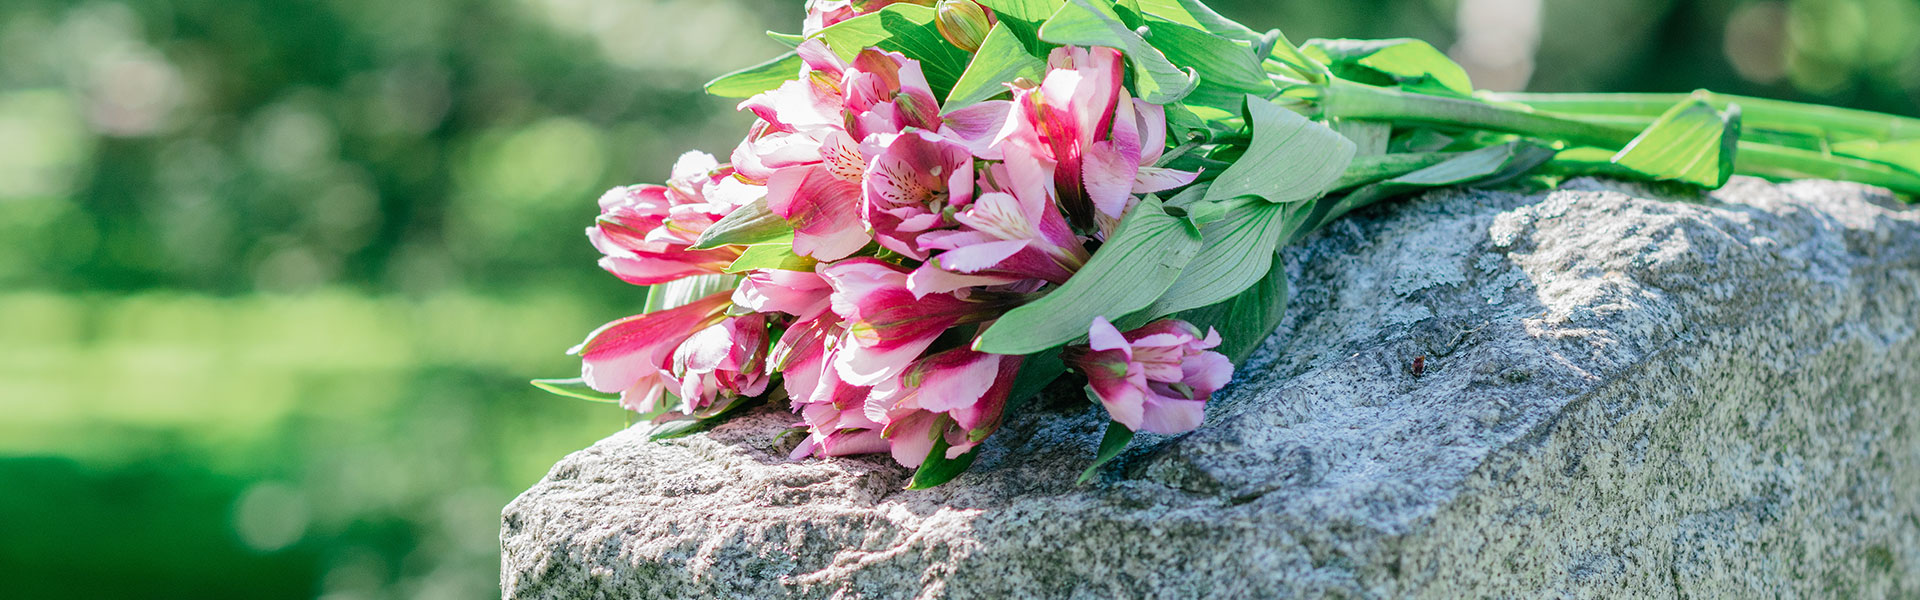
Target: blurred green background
point(274, 273)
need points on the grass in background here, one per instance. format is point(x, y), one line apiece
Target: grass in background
point(330, 445)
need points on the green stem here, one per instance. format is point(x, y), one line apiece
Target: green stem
point(1341, 99)
point(1380, 167)
point(1836, 124)
point(1348, 100)
point(1780, 162)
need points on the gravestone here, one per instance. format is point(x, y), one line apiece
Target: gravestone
point(1627, 391)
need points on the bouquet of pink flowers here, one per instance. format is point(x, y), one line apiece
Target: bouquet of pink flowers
point(945, 206)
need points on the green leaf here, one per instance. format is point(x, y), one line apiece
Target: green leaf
point(1246, 320)
point(905, 28)
point(1904, 154)
point(1691, 143)
point(1023, 18)
point(758, 78)
point(1236, 252)
point(1290, 159)
point(574, 388)
point(937, 468)
point(1194, 13)
point(1370, 138)
point(790, 40)
point(1001, 59)
point(689, 426)
point(752, 223)
point(1411, 64)
point(1128, 273)
point(1227, 69)
point(681, 292)
point(1484, 166)
point(1089, 23)
point(1036, 371)
point(771, 255)
point(1111, 444)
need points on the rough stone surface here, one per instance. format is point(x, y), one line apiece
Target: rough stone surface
point(1628, 392)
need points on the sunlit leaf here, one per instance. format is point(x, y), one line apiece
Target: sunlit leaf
point(1691, 143)
point(1290, 159)
point(681, 292)
point(771, 255)
point(1001, 59)
point(758, 78)
point(1411, 64)
point(1089, 23)
point(789, 40)
point(1194, 13)
point(1128, 273)
point(1111, 444)
point(1023, 19)
point(574, 388)
point(752, 223)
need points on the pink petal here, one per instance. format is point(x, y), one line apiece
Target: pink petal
point(979, 257)
point(824, 210)
point(1170, 416)
point(931, 279)
point(1101, 335)
point(976, 127)
point(1108, 175)
point(1154, 179)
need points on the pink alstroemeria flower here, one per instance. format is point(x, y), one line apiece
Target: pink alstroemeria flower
point(1011, 232)
point(1099, 141)
point(644, 230)
point(832, 409)
point(912, 181)
point(631, 356)
point(1156, 378)
point(968, 387)
point(725, 360)
point(805, 149)
point(887, 326)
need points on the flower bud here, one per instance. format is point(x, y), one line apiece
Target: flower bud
point(964, 23)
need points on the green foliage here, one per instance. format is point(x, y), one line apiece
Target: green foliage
point(1290, 159)
point(574, 388)
point(1002, 58)
point(681, 292)
point(905, 28)
point(1235, 253)
point(771, 255)
point(752, 223)
point(1227, 70)
point(1246, 320)
point(937, 468)
point(1144, 257)
point(1111, 444)
point(1413, 65)
point(1691, 143)
point(758, 78)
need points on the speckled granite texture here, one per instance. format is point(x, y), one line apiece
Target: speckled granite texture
point(1626, 394)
